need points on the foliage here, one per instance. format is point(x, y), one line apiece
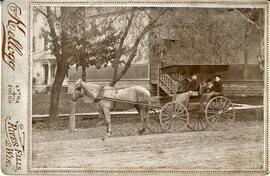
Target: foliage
point(204, 35)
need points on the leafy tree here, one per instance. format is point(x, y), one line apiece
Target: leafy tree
point(254, 25)
point(95, 38)
point(200, 36)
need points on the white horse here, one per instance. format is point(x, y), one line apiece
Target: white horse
point(106, 99)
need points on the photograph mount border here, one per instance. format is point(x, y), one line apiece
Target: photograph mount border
point(178, 3)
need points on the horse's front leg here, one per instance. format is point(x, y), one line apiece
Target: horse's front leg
point(101, 117)
point(107, 116)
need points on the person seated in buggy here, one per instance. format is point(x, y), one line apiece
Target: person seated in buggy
point(187, 87)
point(194, 85)
point(183, 92)
point(211, 89)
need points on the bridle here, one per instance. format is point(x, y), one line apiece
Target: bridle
point(100, 95)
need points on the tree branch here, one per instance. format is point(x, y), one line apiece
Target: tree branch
point(147, 13)
point(120, 47)
point(134, 48)
point(248, 20)
point(56, 46)
point(40, 11)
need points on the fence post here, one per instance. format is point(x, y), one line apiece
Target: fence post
point(72, 117)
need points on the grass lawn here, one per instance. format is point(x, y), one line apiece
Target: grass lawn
point(41, 104)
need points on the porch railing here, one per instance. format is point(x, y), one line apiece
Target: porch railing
point(167, 83)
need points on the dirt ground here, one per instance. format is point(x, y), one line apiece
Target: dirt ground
point(239, 147)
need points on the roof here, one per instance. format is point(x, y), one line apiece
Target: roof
point(190, 69)
point(43, 56)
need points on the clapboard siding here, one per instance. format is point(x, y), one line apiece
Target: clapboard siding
point(234, 73)
point(134, 72)
point(234, 88)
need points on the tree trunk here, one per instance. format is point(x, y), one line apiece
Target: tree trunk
point(245, 71)
point(55, 93)
point(84, 73)
point(115, 75)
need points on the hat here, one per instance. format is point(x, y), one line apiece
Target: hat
point(218, 76)
point(208, 79)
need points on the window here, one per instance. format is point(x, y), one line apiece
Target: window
point(53, 70)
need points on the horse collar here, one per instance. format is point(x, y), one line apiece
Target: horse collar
point(100, 94)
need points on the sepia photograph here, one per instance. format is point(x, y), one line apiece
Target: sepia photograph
point(141, 88)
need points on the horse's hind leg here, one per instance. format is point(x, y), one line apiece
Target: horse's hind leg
point(141, 113)
point(107, 116)
point(101, 116)
point(146, 118)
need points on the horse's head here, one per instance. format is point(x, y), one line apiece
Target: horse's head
point(78, 90)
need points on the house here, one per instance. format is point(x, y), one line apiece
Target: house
point(206, 42)
point(44, 65)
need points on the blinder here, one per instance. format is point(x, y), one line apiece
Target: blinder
point(78, 88)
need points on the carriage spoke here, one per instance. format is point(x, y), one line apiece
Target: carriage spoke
point(169, 126)
point(185, 119)
point(167, 122)
point(224, 104)
point(225, 113)
point(166, 119)
point(213, 116)
point(167, 115)
point(180, 112)
point(220, 103)
point(171, 113)
point(193, 124)
point(212, 107)
point(200, 124)
point(168, 112)
point(230, 117)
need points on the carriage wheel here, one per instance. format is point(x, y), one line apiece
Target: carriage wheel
point(197, 121)
point(173, 116)
point(220, 113)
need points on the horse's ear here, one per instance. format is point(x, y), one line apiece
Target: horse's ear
point(80, 82)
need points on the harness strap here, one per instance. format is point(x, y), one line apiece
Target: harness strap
point(100, 94)
point(114, 102)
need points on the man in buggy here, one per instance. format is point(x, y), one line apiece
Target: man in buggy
point(211, 89)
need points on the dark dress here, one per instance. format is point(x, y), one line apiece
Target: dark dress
point(217, 86)
point(183, 86)
point(215, 90)
point(194, 85)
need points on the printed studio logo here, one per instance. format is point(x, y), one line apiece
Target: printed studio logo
point(14, 145)
point(11, 46)
point(14, 94)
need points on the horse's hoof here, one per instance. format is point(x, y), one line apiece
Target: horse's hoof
point(141, 131)
point(106, 136)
